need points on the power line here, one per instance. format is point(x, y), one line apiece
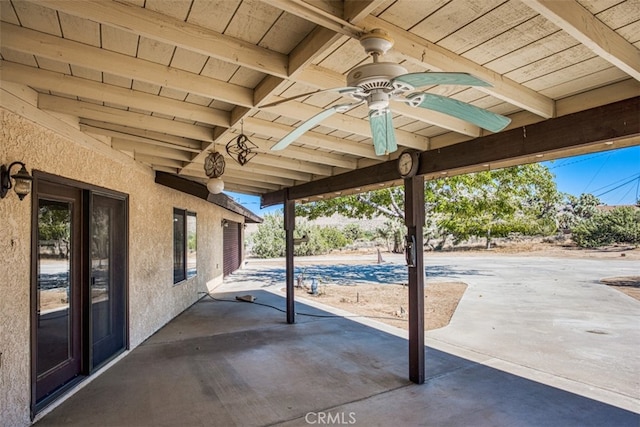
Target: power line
point(621, 185)
point(637, 175)
point(597, 173)
point(579, 160)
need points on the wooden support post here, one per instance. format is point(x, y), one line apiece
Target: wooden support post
point(289, 226)
point(414, 219)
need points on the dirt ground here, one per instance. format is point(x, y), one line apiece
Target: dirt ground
point(388, 303)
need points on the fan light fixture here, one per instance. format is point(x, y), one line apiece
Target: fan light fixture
point(22, 179)
point(377, 83)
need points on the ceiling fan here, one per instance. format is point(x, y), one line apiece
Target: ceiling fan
point(377, 83)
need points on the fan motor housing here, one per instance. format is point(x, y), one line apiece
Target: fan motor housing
point(374, 76)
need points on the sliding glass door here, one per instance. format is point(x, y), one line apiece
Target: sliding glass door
point(80, 292)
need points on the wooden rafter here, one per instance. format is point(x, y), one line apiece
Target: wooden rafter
point(573, 18)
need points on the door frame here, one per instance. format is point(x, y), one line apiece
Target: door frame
point(86, 369)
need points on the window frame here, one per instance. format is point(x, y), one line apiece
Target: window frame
point(181, 259)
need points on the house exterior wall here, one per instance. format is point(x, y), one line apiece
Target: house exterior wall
point(153, 298)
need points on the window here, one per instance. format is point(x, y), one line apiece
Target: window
point(184, 245)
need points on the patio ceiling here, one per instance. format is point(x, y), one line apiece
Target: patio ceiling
point(168, 81)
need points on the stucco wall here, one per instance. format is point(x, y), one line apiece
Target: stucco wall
point(153, 298)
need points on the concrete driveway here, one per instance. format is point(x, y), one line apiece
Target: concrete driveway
point(546, 319)
point(551, 318)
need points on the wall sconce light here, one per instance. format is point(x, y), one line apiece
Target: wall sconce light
point(22, 179)
point(224, 223)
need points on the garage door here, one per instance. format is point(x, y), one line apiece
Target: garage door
point(232, 247)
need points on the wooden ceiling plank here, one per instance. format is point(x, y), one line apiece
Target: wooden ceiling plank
point(94, 130)
point(244, 189)
point(254, 177)
point(432, 56)
point(178, 33)
point(573, 18)
point(156, 160)
point(75, 86)
point(263, 186)
point(123, 144)
point(125, 118)
point(48, 46)
point(147, 136)
point(36, 16)
point(291, 164)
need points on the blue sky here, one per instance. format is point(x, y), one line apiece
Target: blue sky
point(613, 176)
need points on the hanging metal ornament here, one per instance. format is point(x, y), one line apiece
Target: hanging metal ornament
point(214, 165)
point(214, 168)
point(240, 149)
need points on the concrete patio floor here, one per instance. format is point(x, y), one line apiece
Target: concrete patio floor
point(239, 364)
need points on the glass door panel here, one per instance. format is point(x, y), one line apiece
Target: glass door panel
point(57, 293)
point(108, 276)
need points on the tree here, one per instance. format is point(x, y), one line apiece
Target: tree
point(576, 210)
point(495, 203)
point(487, 204)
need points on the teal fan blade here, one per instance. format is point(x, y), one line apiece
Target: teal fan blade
point(382, 132)
point(470, 113)
point(313, 121)
point(424, 79)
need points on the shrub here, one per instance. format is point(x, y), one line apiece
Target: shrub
point(621, 225)
point(269, 240)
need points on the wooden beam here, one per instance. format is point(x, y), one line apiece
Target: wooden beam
point(318, 16)
point(429, 55)
point(13, 101)
point(139, 135)
point(156, 26)
point(414, 220)
point(141, 148)
point(573, 18)
point(59, 49)
point(122, 117)
point(89, 89)
point(550, 138)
